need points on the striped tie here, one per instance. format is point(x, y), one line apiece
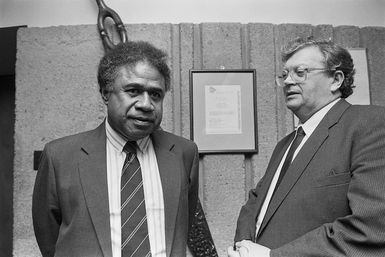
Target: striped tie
point(135, 240)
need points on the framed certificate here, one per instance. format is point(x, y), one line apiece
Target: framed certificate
point(223, 110)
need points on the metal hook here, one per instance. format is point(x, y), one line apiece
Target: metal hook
point(105, 12)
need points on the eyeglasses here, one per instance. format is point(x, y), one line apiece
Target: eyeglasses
point(297, 74)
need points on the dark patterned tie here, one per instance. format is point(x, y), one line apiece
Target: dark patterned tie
point(135, 240)
point(289, 157)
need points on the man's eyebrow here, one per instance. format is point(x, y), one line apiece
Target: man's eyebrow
point(157, 89)
point(132, 84)
point(294, 66)
point(144, 88)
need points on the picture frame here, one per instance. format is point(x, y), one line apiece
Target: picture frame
point(223, 111)
point(361, 93)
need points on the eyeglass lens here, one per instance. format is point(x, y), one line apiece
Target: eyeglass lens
point(297, 74)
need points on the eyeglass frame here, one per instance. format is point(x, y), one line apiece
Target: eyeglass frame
point(295, 70)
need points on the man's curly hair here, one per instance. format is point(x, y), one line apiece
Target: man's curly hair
point(129, 54)
point(335, 58)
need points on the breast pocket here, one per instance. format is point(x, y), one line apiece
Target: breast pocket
point(333, 180)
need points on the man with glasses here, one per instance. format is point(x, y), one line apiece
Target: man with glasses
point(323, 192)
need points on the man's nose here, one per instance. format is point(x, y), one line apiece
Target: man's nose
point(289, 80)
point(145, 102)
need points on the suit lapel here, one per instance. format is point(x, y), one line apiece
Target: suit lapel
point(295, 171)
point(93, 178)
point(169, 170)
point(303, 158)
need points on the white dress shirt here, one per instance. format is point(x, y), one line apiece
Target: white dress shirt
point(309, 126)
point(153, 193)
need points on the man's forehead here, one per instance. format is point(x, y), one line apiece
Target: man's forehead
point(142, 64)
point(141, 74)
point(140, 69)
point(305, 56)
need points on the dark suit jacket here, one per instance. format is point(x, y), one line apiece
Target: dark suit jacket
point(70, 199)
point(332, 200)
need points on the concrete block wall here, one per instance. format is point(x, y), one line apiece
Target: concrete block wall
point(57, 95)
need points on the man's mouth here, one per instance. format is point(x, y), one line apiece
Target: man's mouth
point(290, 93)
point(143, 119)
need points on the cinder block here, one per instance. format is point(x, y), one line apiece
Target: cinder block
point(221, 45)
point(347, 36)
point(262, 52)
point(186, 31)
point(324, 32)
point(223, 196)
point(373, 38)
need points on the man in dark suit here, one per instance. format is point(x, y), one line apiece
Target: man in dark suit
point(328, 198)
point(80, 205)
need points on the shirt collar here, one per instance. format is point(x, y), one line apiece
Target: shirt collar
point(310, 125)
point(118, 142)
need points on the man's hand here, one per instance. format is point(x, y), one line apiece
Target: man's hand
point(247, 248)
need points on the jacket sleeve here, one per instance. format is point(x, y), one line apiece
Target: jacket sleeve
point(45, 207)
point(362, 233)
point(199, 240)
point(247, 219)
point(193, 185)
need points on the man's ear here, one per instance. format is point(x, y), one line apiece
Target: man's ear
point(338, 79)
point(105, 95)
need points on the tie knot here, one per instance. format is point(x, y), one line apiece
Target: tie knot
point(130, 147)
point(300, 131)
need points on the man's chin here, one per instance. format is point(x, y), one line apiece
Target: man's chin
point(292, 103)
point(137, 136)
point(139, 130)
point(142, 131)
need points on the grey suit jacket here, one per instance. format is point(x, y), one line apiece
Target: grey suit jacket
point(70, 199)
point(332, 200)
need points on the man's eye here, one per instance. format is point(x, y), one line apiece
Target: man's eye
point(300, 72)
point(156, 96)
point(133, 91)
point(284, 74)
